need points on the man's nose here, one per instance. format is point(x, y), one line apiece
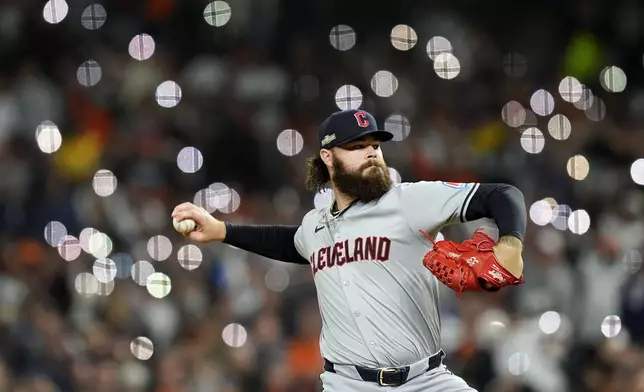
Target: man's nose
point(371, 152)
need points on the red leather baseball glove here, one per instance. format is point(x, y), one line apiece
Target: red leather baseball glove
point(468, 266)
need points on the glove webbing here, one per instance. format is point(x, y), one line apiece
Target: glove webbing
point(465, 273)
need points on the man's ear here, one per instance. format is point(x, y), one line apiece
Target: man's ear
point(327, 157)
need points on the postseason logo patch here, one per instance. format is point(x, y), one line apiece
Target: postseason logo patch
point(455, 185)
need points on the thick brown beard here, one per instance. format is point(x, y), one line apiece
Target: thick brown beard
point(364, 188)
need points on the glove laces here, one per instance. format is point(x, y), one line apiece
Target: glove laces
point(465, 273)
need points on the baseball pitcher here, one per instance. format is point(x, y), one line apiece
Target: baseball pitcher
point(375, 263)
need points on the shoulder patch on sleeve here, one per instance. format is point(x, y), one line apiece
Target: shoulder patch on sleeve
point(455, 185)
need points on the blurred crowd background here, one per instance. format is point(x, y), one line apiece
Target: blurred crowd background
point(104, 130)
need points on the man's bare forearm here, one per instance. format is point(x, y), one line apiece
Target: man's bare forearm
point(512, 241)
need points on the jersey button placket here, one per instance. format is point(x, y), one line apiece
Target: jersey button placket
point(362, 323)
point(336, 229)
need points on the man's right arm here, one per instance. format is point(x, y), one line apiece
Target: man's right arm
point(273, 241)
point(278, 242)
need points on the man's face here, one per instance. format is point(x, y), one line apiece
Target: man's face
point(359, 170)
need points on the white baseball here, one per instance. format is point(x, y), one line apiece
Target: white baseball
point(185, 226)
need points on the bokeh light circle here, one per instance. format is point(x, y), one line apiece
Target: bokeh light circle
point(578, 167)
point(518, 363)
point(105, 289)
point(532, 140)
point(559, 127)
point(513, 114)
point(560, 215)
point(54, 233)
point(290, 142)
point(142, 348)
point(104, 183)
point(611, 326)
point(84, 238)
point(447, 66)
point(69, 248)
point(104, 270)
point(579, 222)
point(86, 284)
point(342, 37)
point(55, 11)
point(189, 257)
point(234, 335)
point(399, 126)
point(48, 137)
point(613, 79)
point(89, 73)
point(637, 171)
point(99, 245)
point(159, 247)
point(570, 89)
point(585, 100)
point(141, 270)
point(217, 13)
point(403, 37)
point(141, 47)
point(168, 94)
point(438, 45)
point(549, 322)
point(158, 285)
point(384, 83)
point(189, 160)
point(348, 97)
point(234, 200)
point(323, 199)
point(218, 195)
point(93, 17)
point(542, 102)
point(540, 213)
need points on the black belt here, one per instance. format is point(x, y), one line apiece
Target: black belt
point(389, 377)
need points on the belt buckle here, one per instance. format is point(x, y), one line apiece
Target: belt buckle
point(382, 372)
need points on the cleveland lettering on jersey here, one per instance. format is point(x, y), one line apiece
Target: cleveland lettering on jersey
point(341, 253)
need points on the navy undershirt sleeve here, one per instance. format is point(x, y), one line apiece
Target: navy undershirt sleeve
point(272, 241)
point(504, 204)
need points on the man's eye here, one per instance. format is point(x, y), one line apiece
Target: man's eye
point(362, 146)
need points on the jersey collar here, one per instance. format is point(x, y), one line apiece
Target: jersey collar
point(335, 213)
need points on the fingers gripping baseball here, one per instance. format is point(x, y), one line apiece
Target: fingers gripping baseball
point(187, 211)
point(197, 224)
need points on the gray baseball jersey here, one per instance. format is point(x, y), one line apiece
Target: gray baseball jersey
point(379, 305)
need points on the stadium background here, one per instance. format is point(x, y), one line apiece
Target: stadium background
point(97, 145)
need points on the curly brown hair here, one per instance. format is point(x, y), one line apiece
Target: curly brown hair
point(317, 174)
